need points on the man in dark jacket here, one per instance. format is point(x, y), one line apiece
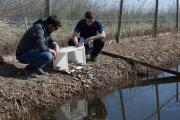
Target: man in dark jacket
point(88, 28)
point(37, 47)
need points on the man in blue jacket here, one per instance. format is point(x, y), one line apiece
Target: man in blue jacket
point(88, 29)
point(37, 47)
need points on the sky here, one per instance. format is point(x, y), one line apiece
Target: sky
point(145, 5)
point(142, 3)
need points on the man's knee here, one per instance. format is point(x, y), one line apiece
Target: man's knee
point(100, 42)
point(48, 56)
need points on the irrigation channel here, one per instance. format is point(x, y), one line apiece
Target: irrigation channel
point(154, 98)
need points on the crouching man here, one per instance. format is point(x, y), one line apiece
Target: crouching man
point(37, 47)
point(88, 28)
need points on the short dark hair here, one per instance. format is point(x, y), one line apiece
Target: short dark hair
point(53, 19)
point(89, 15)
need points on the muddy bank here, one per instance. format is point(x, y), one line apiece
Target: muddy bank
point(19, 93)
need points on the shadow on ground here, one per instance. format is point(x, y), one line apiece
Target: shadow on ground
point(11, 71)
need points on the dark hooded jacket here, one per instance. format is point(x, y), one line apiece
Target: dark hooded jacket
point(35, 38)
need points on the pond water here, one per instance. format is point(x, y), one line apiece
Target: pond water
point(153, 99)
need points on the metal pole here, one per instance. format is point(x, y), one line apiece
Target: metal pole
point(26, 23)
point(119, 25)
point(177, 88)
point(177, 16)
point(157, 97)
point(156, 14)
point(122, 104)
point(177, 91)
point(49, 7)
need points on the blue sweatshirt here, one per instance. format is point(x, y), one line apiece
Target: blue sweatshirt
point(87, 31)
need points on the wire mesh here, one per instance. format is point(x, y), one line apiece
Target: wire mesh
point(137, 18)
point(167, 15)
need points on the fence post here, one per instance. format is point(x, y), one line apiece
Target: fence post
point(156, 14)
point(49, 7)
point(119, 25)
point(177, 16)
point(26, 23)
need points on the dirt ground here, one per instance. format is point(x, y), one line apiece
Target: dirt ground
point(20, 93)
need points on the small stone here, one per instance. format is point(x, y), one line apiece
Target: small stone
point(83, 82)
point(110, 42)
point(89, 68)
point(159, 59)
point(90, 77)
point(97, 79)
point(76, 78)
point(79, 64)
point(132, 54)
point(89, 82)
point(79, 76)
point(86, 86)
point(44, 85)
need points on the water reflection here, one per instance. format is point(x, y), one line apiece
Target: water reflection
point(155, 99)
point(72, 111)
point(96, 110)
point(152, 100)
point(78, 110)
point(164, 74)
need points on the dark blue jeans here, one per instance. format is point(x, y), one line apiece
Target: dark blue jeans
point(35, 58)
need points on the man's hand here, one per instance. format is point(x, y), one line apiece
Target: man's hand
point(54, 53)
point(56, 46)
point(88, 40)
point(99, 36)
point(57, 50)
point(78, 45)
point(75, 39)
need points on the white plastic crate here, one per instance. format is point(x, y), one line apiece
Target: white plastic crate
point(72, 53)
